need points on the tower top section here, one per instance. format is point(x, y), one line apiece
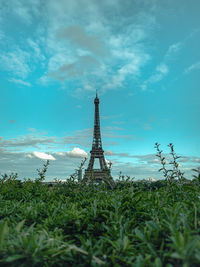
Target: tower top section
point(96, 100)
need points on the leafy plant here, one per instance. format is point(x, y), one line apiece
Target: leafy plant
point(42, 173)
point(169, 174)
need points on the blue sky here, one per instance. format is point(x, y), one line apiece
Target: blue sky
point(142, 56)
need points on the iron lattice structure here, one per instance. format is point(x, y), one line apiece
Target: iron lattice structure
point(97, 152)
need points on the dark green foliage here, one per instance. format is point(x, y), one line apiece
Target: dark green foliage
point(85, 225)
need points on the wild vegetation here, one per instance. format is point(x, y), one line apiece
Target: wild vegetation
point(78, 224)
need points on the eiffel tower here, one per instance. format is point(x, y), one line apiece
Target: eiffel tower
point(102, 174)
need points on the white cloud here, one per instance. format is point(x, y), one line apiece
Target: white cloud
point(77, 54)
point(75, 69)
point(77, 152)
point(115, 43)
point(160, 72)
point(162, 68)
point(30, 156)
point(36, 140)
point(16, 62)
point(24, 10)
point(101, 43)
point(42, 155)
point(78, 37)
point(36, 50)
point(21, 82)
point(131, 67)
point(62, 154)
point(60, 58)
point(173, 50)
point(195, 66)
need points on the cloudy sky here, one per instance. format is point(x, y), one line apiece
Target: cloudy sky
point(142, 56)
